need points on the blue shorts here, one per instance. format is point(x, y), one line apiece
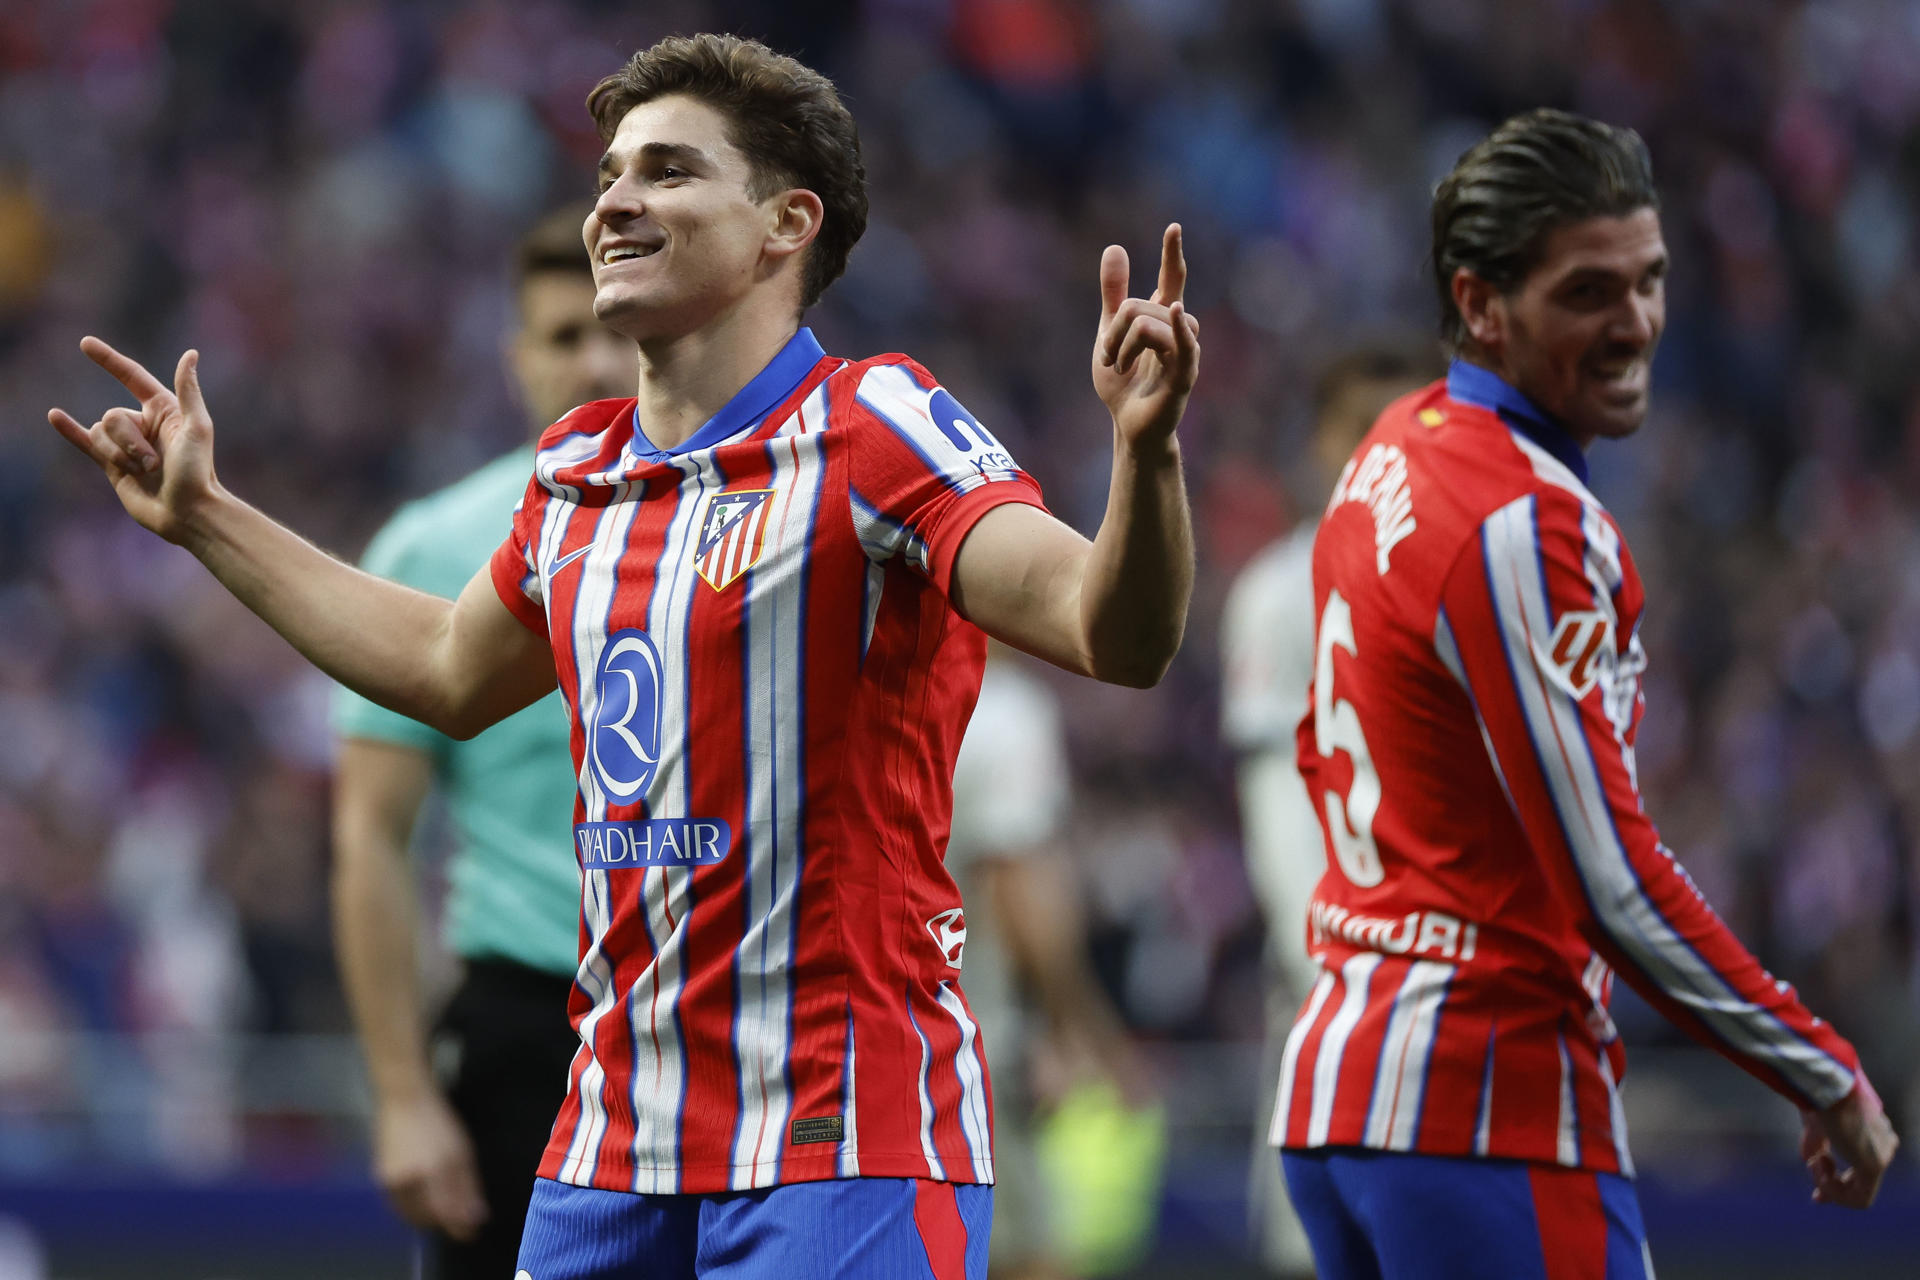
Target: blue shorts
point(858, 1228)
point(1388, 1215)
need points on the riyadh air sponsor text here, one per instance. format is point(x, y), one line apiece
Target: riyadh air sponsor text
point(655, 842)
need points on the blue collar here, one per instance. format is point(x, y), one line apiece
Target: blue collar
point(1474, 384)
point(788, 368)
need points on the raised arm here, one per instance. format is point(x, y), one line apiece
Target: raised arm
point(1114, 608)
point(457, 666)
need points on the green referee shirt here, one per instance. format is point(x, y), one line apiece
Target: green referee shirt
point(514, 886)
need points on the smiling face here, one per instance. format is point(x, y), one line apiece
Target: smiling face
point(676, 238)
point(1577, 334)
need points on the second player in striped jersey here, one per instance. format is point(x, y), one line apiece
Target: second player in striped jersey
point(1469, 749)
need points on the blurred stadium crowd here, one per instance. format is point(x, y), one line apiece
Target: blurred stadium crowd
point(322, 196)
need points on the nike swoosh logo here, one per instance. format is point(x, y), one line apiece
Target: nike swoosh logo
point(566, 560)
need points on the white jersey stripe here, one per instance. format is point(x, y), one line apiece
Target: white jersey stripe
point(1393, 1117)
point(1356, 973)
point(849, 1111)
point(773, 621)
point(1510, 544)
point(1567, 1143)
point(554, 522)
point(1616, 1118)
point(567, 451)
point(883, 537)
point(973, 1086)
point(652, 1014)
point(935, 1169)
point(876, 583)
point(1290, 1058)
point(1483, 1126)
point(589, 634)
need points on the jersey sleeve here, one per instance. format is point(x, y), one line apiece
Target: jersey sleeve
point(1529, 624)
point(515, 565)
point(397, 552)
point(923, 470)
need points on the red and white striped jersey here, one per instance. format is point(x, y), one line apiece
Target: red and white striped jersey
point(767, 689)
point(1469, 747)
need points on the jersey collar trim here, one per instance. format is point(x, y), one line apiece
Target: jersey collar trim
point(787, 370)
point(1472, 384)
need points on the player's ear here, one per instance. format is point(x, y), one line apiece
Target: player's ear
point(794, 219)
point(1478, 304)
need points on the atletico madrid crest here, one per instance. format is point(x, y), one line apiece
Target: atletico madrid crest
point(731, 533)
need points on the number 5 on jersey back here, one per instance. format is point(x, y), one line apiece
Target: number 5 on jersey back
point(1336, 727)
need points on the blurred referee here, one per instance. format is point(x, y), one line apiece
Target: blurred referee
point(458, 1131)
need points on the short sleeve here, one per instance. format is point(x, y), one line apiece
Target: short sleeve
point(923, 470)
point(515, 564)
point(399, 553)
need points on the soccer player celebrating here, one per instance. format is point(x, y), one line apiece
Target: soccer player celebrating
point(761, 585)
point(457, 1155)
point(1448, 1100)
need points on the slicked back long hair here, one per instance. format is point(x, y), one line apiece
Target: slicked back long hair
point(1536, 173)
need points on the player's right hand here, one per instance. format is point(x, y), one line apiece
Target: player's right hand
point(424, 1161)
point(159, 457)
point(1848, 1147)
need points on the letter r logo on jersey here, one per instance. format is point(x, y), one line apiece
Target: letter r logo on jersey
point(623, 735)
point(949, 931)
point(1578, 639)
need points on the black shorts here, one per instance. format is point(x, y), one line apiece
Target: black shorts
point(507, 1045)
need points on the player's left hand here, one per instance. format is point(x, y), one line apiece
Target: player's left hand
point(1848, 1147)
point(1146, 354)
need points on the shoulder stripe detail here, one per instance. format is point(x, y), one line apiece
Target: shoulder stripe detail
point(1551, 469)
point(1511, 547)
point(948, 450)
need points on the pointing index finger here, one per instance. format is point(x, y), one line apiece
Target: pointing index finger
point(130, 372)
point(1173, 267)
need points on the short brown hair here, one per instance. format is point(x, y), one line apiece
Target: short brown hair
point(786, 119)
point(554, 245)
point(1531, 176)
